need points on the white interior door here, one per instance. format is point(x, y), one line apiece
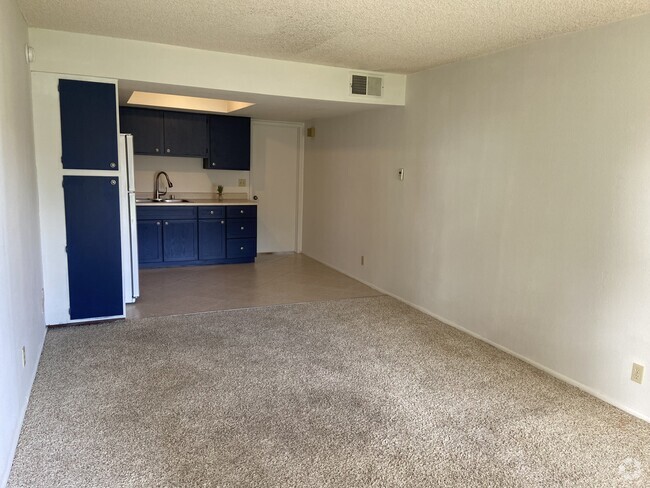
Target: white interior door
point(275, 165)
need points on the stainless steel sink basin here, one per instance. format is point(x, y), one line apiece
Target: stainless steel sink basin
point(160, 200)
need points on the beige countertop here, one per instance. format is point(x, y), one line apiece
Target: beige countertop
point(197, 203)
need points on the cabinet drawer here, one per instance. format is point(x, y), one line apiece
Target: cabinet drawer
point(242, 211)
point(167, 213)
point(212, 212)
point(241, 228)
point(241, 248)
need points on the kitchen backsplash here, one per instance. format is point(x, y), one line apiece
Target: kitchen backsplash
point(189, 177)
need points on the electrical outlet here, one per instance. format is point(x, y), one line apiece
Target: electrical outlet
point(637, 373)
point(24, 357)
point(242, 181)
point(363, 259)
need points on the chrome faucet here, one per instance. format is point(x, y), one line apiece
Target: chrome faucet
point(156, 192)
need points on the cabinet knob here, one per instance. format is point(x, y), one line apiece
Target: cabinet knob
point(113, 182)
point(157, 150)
point(113, 165)
point(241, 248)
point(214, 164)
point(211, 212)
point(157, 223)
point(166, 223)
point(169, 150)
point(242, 228)
point(241, 211)
point(222, 222)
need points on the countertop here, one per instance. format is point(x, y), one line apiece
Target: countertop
point(198, 203)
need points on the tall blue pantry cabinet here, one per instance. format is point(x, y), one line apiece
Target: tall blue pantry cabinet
point(89, 135)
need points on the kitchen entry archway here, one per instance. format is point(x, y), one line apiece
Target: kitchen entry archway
point(277, 156)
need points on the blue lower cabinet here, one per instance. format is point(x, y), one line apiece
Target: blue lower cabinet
point(94, 246)
point(150, 244)
point(212, 239)
point(180, 241)
point(188, 236)
point(241, 248)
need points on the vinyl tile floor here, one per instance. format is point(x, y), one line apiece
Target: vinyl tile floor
point(272, 279)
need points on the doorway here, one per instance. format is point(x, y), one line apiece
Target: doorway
point(276, 181)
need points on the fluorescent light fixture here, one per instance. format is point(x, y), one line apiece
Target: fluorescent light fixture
point(186, 103)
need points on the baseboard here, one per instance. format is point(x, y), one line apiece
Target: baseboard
point(21, 418)
point(533, 363)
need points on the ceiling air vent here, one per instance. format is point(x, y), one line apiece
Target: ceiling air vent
point(366, 85)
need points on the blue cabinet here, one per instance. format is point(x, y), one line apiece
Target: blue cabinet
point(94, 247)
point(188, 235)
point(180, 241)
point(146, 126)
point(88, 125)
point(230, 143)
point(212, 239)
point(166, 133)
point(186, 134)
point(150, 244)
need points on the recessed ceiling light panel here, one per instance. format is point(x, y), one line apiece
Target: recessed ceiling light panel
point(181, 102)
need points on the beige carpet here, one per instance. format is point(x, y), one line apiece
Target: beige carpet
point(359, 392)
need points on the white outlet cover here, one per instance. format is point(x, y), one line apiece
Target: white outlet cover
point(637, 373)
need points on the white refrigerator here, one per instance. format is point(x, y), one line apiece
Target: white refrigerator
point(129, 224)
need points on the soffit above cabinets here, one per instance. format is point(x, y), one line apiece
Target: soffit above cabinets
point(383, 35)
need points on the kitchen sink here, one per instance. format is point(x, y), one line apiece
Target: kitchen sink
point(161, 200)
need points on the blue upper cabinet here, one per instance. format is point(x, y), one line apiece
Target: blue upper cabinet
point(88, 125)
point(230, 143)
point(146, 126)
point(166, 133)
point(186, 134)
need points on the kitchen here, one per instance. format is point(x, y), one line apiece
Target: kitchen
point(178, 187)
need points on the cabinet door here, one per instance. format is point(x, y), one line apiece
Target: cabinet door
point(180, 240)
point(230, 143)
point(212, 239)
point(146, 126)
point(88, 125)
point(94, 246)
point(186, 134)
point(150, 241)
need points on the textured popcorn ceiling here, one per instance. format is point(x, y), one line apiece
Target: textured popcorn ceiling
point(383, 35)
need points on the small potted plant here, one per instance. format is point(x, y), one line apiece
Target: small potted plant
point(220, 192)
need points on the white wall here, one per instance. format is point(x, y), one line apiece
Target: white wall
point(187, 175)
point(524, 216)
point(21, 319)
point(90, 55)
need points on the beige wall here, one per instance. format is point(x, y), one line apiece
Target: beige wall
point(187, 175)
point(524, 216)
point(90, 55)
point(21, 319)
